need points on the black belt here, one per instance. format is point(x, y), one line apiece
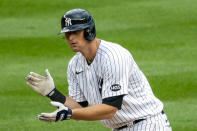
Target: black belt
point(135, 122)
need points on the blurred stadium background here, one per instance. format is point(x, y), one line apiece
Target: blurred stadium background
point(161, 35)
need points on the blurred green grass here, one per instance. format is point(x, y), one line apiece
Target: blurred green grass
point(161, 35)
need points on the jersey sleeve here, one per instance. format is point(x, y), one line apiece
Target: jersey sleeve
point(73, 86)
point(116, 75)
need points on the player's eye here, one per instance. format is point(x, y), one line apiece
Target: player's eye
point(75, 32)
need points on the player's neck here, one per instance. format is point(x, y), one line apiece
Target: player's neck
point(90, 50)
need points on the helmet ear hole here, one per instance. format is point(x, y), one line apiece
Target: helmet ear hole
point(90, 34)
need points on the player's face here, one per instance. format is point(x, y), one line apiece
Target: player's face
point(76, 40)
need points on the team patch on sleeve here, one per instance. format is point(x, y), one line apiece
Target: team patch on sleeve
point(115, 87)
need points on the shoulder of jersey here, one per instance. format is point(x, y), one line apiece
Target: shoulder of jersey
point(112, 48)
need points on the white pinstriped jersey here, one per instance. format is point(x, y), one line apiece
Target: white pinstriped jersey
point(113, 65)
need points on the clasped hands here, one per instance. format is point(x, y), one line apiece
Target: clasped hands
point(45, 85)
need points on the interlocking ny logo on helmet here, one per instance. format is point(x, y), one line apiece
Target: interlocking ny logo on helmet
point(79, 19)
point(67, 21)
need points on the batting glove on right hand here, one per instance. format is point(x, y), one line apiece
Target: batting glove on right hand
point(41, 84)
point(62, 113)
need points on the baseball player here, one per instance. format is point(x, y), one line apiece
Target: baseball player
point(104, 81)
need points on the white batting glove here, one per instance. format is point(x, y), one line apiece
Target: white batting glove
point(41, 84)
point(62, 113)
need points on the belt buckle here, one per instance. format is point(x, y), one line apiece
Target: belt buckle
point(130, 124)
point(125, 126)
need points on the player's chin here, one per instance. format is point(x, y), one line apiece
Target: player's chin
point(75, 50)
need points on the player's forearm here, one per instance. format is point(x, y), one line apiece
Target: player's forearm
point(71, 103)
point(67, 101)
point(96, 112)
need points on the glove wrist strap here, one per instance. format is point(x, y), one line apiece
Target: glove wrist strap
point(69, 114)
point(63, 115)
point(55, 95)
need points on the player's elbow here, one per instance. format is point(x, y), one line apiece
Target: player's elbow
point(111, 113)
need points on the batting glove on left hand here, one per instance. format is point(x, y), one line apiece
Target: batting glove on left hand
point(62, 113)
point(41, 84)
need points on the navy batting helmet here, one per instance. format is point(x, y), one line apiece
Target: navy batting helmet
point(79, 19)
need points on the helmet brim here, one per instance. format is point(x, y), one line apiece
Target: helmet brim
point(73, 28)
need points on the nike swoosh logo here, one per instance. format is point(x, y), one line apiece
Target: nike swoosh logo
point(78, 72)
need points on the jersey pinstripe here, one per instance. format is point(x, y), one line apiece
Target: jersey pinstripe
point(113, 72)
